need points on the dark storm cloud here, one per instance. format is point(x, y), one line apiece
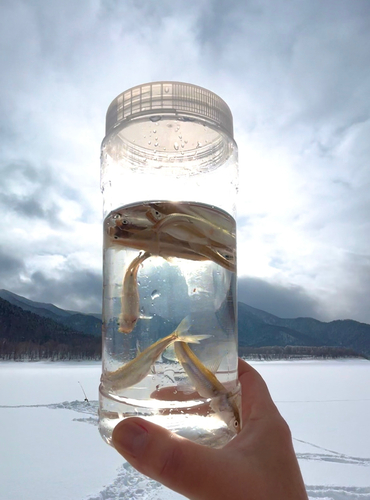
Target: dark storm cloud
point(18, 169)
point(29, 206)
point(78, 290)
point(25, 191)
point(354, 300)
point(9, 265)
point(216, 26)
point(30, 192)
point(282, 300)
point(41, 177)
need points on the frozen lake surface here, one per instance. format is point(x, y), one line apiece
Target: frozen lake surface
point(51, 448)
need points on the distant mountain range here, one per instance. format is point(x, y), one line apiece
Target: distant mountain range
point(259, 331)
point(85, 323)
point(26, 335)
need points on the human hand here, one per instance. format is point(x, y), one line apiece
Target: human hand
point(258, 464)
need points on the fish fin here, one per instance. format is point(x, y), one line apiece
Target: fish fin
point(184, 326)
point(192, 339)
point(170, 354)
point(213, 364)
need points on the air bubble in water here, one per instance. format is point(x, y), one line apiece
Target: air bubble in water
point(155, 294)
point(176, 146)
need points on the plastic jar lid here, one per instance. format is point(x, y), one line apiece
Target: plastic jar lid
point(183, 100)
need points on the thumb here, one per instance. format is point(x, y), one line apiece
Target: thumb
point(179, 464)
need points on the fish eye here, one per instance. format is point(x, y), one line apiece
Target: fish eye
point(236, 424)
point(125, 221)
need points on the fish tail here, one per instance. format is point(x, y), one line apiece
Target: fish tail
point(183, 328)
point(192, 339)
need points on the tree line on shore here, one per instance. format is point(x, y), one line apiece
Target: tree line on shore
point(54, 351)
point(51, 350)
point(297, 352)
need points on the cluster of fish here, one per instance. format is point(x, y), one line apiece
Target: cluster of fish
point(222, 401)
point(168, 230)
point(172, 230)
point(181, 230)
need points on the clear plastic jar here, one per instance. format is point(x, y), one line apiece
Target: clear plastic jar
point(169, 179)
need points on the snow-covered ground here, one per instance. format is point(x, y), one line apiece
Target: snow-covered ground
point(51, 448)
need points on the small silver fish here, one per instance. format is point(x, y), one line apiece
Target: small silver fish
point(138, 368)
point(223, 402)
point(199, 229)
point(130, 300)
point(205, 238)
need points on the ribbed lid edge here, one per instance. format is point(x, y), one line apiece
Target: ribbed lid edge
point(170, 98)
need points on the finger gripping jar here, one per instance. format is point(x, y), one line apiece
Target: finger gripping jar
point(169, 179)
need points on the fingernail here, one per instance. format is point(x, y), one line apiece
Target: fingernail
point(130, 437)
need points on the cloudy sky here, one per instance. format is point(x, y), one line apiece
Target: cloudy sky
point(296, 75)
